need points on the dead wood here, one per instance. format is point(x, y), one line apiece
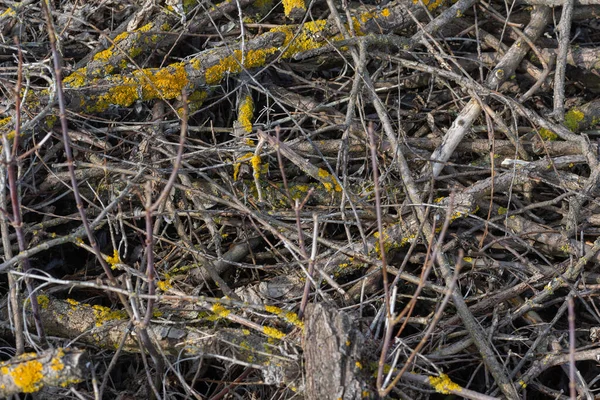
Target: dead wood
point(261, 199)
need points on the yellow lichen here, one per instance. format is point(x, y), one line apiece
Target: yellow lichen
point(548, 135)
point(273, 310)
point(120, 37)
point(387, 243)
point(5, 121)
point(255, 161)
point(233, 64)
point(431, 4)
point(135, 51)
point(220, 311)
point(76, 79)
point(238, 164)
point(72, 303)
point(9, 12)
point(146, 84)
point(443, 384)
point(164, 285)
point(43, 301)
point(104, 55)
point(385, 12)
point(195, 101)
point(246, 110)
point(572, 119)
point(328, 181)
point(305, 39)
point(145, 28)
point(51, 121)
point(105, 314)
point(290, 5)
point(114, 259)
point(27, 376)
point(407, 239)
point(293, 319)
point(56, 364)
point(273, 332)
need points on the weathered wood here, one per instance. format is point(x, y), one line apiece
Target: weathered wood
point(332, 351)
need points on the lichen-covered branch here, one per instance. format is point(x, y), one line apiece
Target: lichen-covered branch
point(107, 328)
point(30, 372)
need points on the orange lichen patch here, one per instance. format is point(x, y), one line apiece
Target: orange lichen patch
point(27, 375)
point(443, 384)
point(105, 314)
point(290, 5)
point(246, 110)
point(233, 64)
point(329, 181)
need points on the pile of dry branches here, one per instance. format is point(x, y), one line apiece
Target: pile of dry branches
point(320, 199)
